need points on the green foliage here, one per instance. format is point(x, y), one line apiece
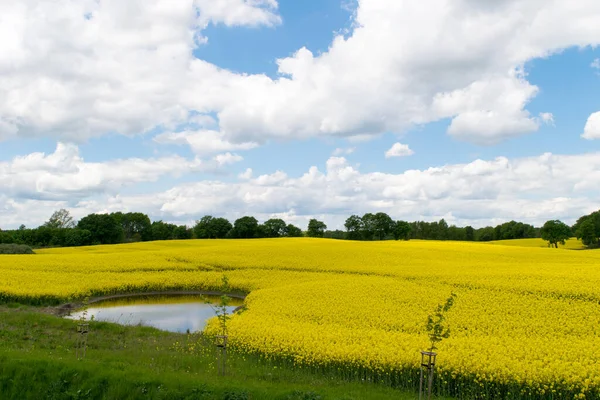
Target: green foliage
point(316, 228)
point(209, 227)
point(436, 328)
point(301, 395)
point(103, 228)
point(136, 226)
point(293, 231)
point(587, 228)
point(15, 249)
point(401, 230)
point(354, 226)
point(275, 227)
point(245, 228)
point(555, 232)
point(236, 395)
point(469, 233)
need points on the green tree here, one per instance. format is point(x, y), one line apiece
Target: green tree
point(354, 227)
point(77, 237)
point(555, 232)
point(162, 230)
point(245, 227)
point(103, 228)
point(587, 228)
point(442, 230)
point(212, 228)
point(316, 228)
point(274, 227)
point(293, 231)
point(401, 230)
point(60, 219)
point(368, 226)
point(182, 232)
point(383, 225)
point(469, 233)
point(586, 231)
point(436, 327)
point(485, 234)
point(136, 226)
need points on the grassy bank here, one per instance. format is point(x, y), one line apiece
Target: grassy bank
point(37, 361)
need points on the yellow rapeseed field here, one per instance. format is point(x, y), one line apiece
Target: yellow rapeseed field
point(526, 323)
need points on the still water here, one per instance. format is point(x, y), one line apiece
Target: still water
point(170, 313)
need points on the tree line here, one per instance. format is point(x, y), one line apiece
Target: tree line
point(62, 230)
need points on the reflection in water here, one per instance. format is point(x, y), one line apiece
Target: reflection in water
point(169, 313)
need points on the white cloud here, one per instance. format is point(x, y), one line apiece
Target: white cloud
point(547, 118)
point(532, 189)
point(64, 174)
point(596, 63)
point(77, 69)
point(203, 141)
point(239, 12)
point(247, 174)
point(343, 151)
point(227, 158)
point(592, 127)
point(399, 150)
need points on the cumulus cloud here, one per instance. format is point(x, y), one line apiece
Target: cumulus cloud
point(532, 189)
point(596, 63)
point(592, 127)
point(203, 141)
point(239, 12)
point(343, 151)
point(77, 69)
point(399, 150)
point(65, 175)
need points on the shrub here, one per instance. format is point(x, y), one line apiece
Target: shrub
point(15, 249)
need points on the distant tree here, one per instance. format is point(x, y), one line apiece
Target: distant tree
point(587, 228)
point(368, 226)
point(60, 219)
point(336, 234)
point(383, 225)
point(245, 227)
point(136, 226)
point(274, 227)
point(163, 231)
point(293, 231)
point(316, 228)
point(78, 237)
point(103, 228)
point(353, 226)
point(401, 230)
point(202, 228)
point(469, 233)
point(182, 232)
point(457, 233)
point(486, 234)
point(220, 227)
point(442, 230)
point(586, 232)
point(22, 227)
point(212, 228)
point(555, 232)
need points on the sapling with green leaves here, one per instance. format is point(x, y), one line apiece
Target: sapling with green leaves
point(221, 308)
point(436, 327)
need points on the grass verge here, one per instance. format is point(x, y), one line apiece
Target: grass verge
point(37, 361)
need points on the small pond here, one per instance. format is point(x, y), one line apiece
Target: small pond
point(179, 313)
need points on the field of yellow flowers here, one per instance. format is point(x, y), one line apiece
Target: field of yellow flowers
point(526, 322)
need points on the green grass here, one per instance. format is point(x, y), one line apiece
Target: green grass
point(37, 361)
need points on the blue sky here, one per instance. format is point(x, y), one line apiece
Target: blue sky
point(228, 114)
